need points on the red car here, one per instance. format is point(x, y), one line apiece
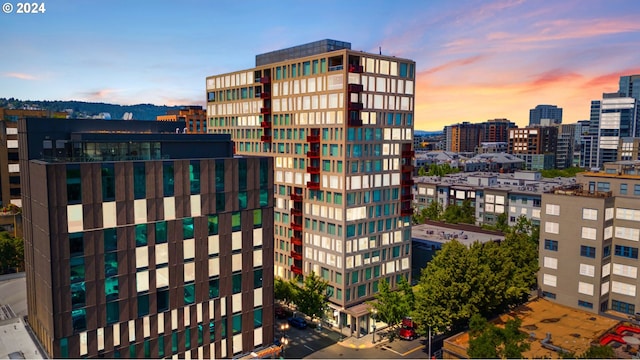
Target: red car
point(408, 329)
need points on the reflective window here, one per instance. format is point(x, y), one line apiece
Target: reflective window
point(236, 283)
point(141, 234)
point(220, 202)
point(242, 199)
point(161, 232)
point(187, 228)
point(194, 176)
point(189, 294)
point(235, 221)
point(257, 317)
point(219, 175)
point(76, 244)
point(163, 300)
point(236, 323)
point(242, 174)
point(110, 240)
point(139, 181)
point(113, 312)
point(264, 197)
point(264, 173)
point(108, 182)
point(111, 288)
point(74, 189)
point(77, 269)
point(78, 295)
point(214, 288)
point(79, 320)
point(167, 179)
point(257, 278)
point(143, 305)
point(257, 218)
point(213, 224)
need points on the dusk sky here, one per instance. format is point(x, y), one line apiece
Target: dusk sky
point(476, 60)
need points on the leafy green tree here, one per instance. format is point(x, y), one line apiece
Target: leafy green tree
point(11, 252)
point(433, 211)
point(501, 222)
point(311, 299)
point(284, 290)
point(422, 171)
point(388, 304)
point(599, 352)
point(464, 213)
point(487, 341)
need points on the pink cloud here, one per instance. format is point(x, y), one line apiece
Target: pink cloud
point(452, 65)
point(21, 76)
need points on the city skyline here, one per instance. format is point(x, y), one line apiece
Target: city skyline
point(476, 60)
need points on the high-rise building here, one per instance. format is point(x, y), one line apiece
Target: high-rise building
point(545, 115)
point(496, 130)
point(589, 241)
point(339, 125)
point(630, 86)
point(565, 145)
point(144, 243)
point(466, 137)
point(194, 116)
point(535, 145)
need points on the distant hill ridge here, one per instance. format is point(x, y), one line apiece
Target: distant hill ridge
point(83, 109)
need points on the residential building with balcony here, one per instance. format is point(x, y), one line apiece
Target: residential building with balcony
point(339, 125)
point(535, 145)
point(144, 243)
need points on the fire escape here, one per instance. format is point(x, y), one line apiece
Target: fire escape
point(265, 110)
point(313, 169)
point(406, 180)
point(296, 226)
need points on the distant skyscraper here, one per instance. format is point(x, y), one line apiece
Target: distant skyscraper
point(541, 112)
point(630, 86)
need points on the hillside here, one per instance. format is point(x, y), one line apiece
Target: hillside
point(81, 109)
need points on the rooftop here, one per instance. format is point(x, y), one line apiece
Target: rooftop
point(465, 234)
point(294, 52)
point(570, 329)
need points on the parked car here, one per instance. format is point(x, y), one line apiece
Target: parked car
point(280, 313)
point(408, 329)
point(297, 322)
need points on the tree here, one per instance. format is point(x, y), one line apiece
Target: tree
point(422, 171)
point(311, 299)
point(11, 252)
point(284, 290)
point(433, 211)
point(487, 341)
point(501, 222)
point(598, 352)
point(392, 305)
point(464, 213)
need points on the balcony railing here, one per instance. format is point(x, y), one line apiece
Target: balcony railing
point(355, 88)
point(357, 69)
point(265, 138)
point(313, 138)
point(408, 153)
point(265, 79)
point(295, 255)
point(265, 110)
point(313, 170)
point(296, 227)
point(265, 124)
point(313, 185)
point(265, 95)
point(296, 212)
point(313, 154)
point(296, 270)
point(295, 197)
point(296, 241)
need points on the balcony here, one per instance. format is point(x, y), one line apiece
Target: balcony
point(313, 170)
point(295, 255)
point(296, 227)
point(313, 185)
point(296, 197)
point(356, 69)
point(265, 124)
point(265, 80)
point(296, 241)
point(408, 153)
point(265, 110)
point(406, 212)
point(355, 106)
point(406, 197)
point(407, 168)
point(296, 270)
point(265, 95)
point(296, 212)
point(265, 138)
point(313, 154)
point(355, 88)
point(313, 138)
point(406, 182)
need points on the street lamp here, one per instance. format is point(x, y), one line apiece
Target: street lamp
point(375, 312)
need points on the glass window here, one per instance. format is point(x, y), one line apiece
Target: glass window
point(550, 245)
point(636, 190)
point(110, 240)
point(587, 251)
point(242, 174)
point(213, 224)
point(214, 288)
point(139, 181)
point(108, 182)
point(77, 269)
point(163, 300)
point(110, 264)
point(257, 218)
point(189, 293)
point(194, 176)
point(257, 317)
point(111, 288)
point(74, 189)
point(242, 199)
point(78, 295)
point(235, 221)
point(236, 323)
point(236, 283)
point(64, 348)
point(141, 235)
point(187, 228)
point(161, 232)
point(79, 319)
point(354, 277)
point(362, 290)
point(143, 305)
point(219, 175)
point(220, 202)
point(223, 328)
point(257, 278)
point(623, 307)
point(626, 251)
point(161, 345)
point(167, 179)
point(623, 189)
point(113, 312)
point(76, 244)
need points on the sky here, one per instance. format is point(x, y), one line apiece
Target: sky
point(476, 60)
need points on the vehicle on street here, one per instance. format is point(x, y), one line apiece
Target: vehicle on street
point(408, 329)
point(280, 313)
point(297, 322)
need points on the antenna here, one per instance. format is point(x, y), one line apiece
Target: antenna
point(380, 49)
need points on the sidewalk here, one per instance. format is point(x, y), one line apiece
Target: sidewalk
point(364, 341)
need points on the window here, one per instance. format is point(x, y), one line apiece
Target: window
point(235, 221)
point(236, 324)
point(214, 288)
point(585, 304)
point(139, 181)
point(585, 288)
point(236, 281)
point(194, 176)
point(189, 293)
point(636, 190)
point(623, 189)
point(550, 280)
point(213, 224)
point(257, 278)
point(588, 251)
point(161, 232)
point(113, 312)
point(552, 209)
point(257, 317)
point(623, 307)
point(552, 227)
point(626, 251)
point(108, 182)
point(167, 179)
point(143, 305)
point(74, 188)
point(141, 234)
point(604, 186)
point(589, 233)
point(587, 270)
point(550, 245)
point(549, 295)
point(257, 218)
point(589, 214)
point(606, 251)
point(76, 244)
point(187, 228)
